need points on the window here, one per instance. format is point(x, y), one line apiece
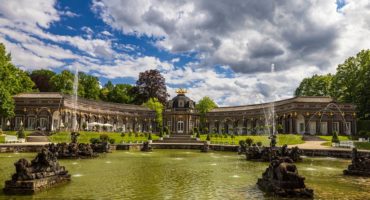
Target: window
point(301, 127)
point(169, 123)
point(18, 122)
point(180, 126)
point(181, 104)
point(31, 123)
point(324, 128)
point(336, 127)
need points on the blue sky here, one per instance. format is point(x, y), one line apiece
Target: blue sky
point(213, 48)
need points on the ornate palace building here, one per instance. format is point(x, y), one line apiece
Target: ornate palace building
point(302, 115)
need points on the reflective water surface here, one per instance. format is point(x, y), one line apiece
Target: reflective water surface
point(181, 174)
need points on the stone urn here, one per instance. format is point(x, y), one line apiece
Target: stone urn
point(22, 140)
point(150, 141)
point(198, 139)
point(161, 138)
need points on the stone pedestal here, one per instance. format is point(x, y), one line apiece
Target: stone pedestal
point(32, 186)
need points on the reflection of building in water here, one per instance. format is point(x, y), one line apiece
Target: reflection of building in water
point(53, 111)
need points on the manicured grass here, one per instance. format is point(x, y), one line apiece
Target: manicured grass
point(363, 145)
point(2, 139)
point(85, 137)
point(329, 137)
point(281, 139)
point(15, 132)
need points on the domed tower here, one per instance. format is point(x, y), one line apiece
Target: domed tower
point(180, 115)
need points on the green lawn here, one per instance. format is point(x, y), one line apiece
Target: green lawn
point(281, 139)
point(329, 137)
point(15, 132)
point(85, 137)
point(363, 145)
point(2, 139)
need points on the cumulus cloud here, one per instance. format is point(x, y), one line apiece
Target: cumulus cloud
point(235, 42)
point(246, 35)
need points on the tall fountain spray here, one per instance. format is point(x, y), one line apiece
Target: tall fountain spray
point(75, 98)
point(272, 106)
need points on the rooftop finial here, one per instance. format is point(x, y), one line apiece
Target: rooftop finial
point(181, 91)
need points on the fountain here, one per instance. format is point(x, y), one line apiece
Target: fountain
point(360, 166)
point(75, 99)
point(281, 179)
point(42, 172)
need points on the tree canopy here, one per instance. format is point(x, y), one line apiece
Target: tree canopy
point(41, 78)
point(350, 84)
point(89, 87)
point(12, 81)
point(317, 85)
point(204, 105)
point(157, 106)
point(63, 82)
point(151, 84)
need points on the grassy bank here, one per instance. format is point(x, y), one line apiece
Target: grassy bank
point(281, 139)
point(85, 137)
point(363, 145)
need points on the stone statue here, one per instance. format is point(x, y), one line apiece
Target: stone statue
point(266, 154)
point(273, 141)
point(42, 172)
point(146, 147)
point(360, 165)
point(74, 137)
point(205, 147)
point(281, 179)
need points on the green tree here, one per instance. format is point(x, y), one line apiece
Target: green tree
point(317, 85)
point(151, 84)
point(63, 82)
point(106, 90)
point(121, 94)
point(12, 81)
point(204, 105)
point(41, 78)
point(89, 87)
point(157, 106)
point(352, 82)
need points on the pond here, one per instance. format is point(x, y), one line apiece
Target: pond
point(185, 174)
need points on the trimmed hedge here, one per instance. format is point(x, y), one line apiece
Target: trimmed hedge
point(363, 125)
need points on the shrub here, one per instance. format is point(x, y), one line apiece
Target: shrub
point(161, 133)
point(208, 137)
point(20, 133)
point(136, 134)
point(104, 137)
point(206, 130)
point(242, 143)
point(259, 143)
point(94, 140)
point(197, 135)
point(1, 131)
point(249, 141)
point(150, 136)
point(335, 138)
point(84, 126)
point(123, 134)
point(112, 140)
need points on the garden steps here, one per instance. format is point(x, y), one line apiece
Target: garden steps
point(178, 139)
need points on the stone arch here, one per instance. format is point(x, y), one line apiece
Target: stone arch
point(300, 123)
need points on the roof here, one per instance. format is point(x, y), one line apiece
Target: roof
point(301, 99)
point(39, 95)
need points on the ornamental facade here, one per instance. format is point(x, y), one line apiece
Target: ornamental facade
point(299, 115)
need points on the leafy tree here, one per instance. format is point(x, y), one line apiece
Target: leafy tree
point(204, 105)
point(12, 81)
point(317, 85)
point(151, 84)
point(352, 82)
point(41, 78)
point(63, 82)
point(121, 94)
point(157, 106)
point(106, 90)
point(89, 87)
